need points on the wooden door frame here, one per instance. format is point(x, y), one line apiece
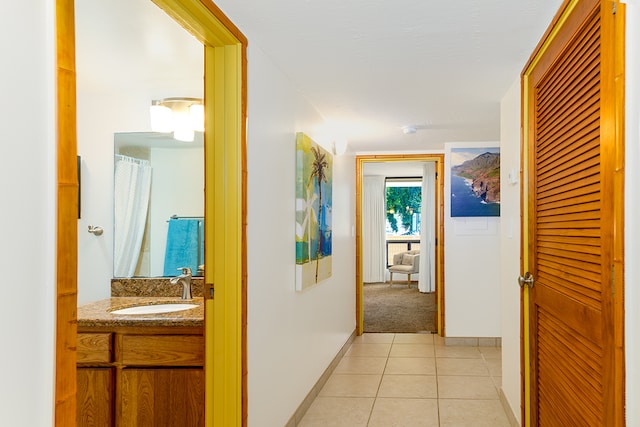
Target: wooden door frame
point(225, 50)
point(361, 160)
point(612, 140)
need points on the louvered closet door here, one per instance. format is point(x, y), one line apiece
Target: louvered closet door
point(571, 300)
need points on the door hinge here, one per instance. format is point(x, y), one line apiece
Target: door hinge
point(208, 294)
point(614, 7)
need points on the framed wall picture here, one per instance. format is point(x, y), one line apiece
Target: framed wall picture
point(314, 181)
point(475, 181)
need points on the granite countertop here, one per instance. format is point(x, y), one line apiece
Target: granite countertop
point(97, 314)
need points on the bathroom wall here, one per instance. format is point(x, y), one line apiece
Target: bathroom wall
point(28, 213)
point(178, 189)
point(292, 336)
point(95, 146)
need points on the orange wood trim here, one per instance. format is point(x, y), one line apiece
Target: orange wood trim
point(523, 112)
point(440, 278)
point(220, 15)
point(67, 212)
point(359, 308)
point(613, 163)
point(619, 204)
point(244, 275)
point(374, 158)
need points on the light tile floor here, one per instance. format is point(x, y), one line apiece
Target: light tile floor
point(411, 380)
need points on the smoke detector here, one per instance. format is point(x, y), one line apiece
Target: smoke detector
point(411, 129)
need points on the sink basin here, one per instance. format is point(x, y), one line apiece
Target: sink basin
point(154, 308)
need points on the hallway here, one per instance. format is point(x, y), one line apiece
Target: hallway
point(411, 380)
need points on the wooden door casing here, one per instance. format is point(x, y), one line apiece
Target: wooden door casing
point(575, 373)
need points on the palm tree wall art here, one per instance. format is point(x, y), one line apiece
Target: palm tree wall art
point(314, 168)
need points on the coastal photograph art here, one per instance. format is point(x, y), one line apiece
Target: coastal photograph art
point(475, 182)
point(314, 179)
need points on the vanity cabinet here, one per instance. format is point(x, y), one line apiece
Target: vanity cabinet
point(140, 376)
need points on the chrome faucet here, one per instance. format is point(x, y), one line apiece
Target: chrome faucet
point(185, 280)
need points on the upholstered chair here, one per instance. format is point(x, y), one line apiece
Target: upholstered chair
point(407, 262)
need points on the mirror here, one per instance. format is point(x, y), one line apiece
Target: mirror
point(158, 204)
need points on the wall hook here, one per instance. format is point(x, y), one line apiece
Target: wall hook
point(96, 231)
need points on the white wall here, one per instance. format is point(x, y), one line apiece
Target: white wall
point(119, 111)
point(292, 336)
point(113, 97)
point(632, 213)
point(471, 267)
point(28, 214)
point(510, 245)
point(177, 188)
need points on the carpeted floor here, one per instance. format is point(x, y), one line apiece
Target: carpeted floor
point(397, 308)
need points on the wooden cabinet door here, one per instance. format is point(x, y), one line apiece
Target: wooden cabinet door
point(95, 397)
point(162, 397)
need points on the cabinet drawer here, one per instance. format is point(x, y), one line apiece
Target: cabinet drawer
point(94, 348)
point(162, 350)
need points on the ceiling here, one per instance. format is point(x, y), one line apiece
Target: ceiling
point(369, 67)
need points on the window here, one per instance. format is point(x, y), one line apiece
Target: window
point(403, 203)
point(404, 200)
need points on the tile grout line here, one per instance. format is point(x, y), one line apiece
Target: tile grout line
point(375, 398)
point(435, 361)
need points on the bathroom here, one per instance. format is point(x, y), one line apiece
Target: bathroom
point(140, 316)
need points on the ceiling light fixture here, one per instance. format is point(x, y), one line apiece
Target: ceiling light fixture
point(182, 116)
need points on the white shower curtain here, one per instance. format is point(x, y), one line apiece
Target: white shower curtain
point(427, 277)
point(373, 229)
point(131, 200)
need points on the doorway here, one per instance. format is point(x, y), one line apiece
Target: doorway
point(438, 160)
point(225, 209)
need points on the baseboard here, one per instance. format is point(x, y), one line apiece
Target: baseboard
point(474, 341)
point(513, 421)
point(315, 390)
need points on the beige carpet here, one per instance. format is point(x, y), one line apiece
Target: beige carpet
point(397, 309)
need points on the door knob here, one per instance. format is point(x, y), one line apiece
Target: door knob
point(527, 279)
